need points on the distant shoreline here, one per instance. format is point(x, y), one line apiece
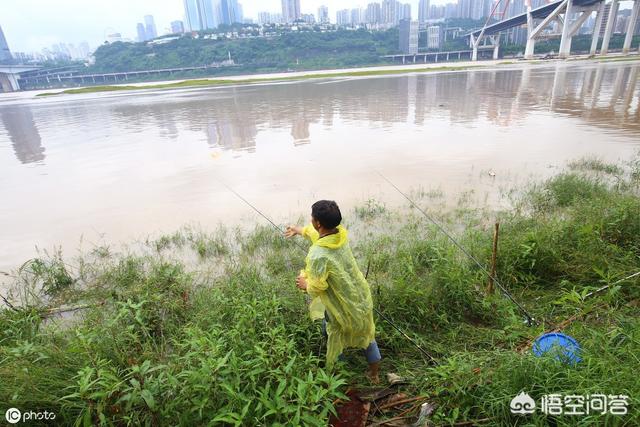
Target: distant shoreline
point(322, 74)
point(266, 78)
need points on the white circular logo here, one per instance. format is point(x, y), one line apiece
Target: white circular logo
point(13, 415)
point(523, 404)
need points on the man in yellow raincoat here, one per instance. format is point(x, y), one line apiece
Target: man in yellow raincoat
point(340, 294)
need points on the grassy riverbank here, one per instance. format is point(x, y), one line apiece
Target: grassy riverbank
point(361, 72)
point(198, 326)
point(223, 82)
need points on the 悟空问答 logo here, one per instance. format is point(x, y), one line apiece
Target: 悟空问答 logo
point(522, 404)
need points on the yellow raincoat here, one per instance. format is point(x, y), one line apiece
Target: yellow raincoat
point(337, 285)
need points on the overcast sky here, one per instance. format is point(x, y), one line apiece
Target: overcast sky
point(30, 25)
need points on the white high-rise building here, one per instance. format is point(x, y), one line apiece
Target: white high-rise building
point(264, 18)
point(191, 15)
point(423, 10)
point(450, 11)
point(323, 14)
point(177, 27)
point(405, 12)
point(356, 16)
point(343, 17)
point(477, 9)
point(207, 14)
point(373, 15)
point(389, 11)
point(150, 27)
point(142, 34)
point(239, 12)
point(434, 37)
point(291, 10)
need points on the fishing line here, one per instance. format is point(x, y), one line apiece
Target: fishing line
point(530, 319)
point(260, 213)
point(423, 351)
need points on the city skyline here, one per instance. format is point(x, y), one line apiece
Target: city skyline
point(76, 21)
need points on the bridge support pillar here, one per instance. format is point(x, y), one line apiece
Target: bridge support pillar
point(529, 48)
point(567, 32)
point(631, 26)
point(9, 82)
point(596, 28)
point(13, 79)
point(474, 46)
point(611, 22)
point(531, 42)
point(496, 45)
point(565, 41)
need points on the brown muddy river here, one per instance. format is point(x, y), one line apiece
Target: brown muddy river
point(110, 168)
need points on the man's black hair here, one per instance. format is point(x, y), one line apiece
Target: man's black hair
point(327, 213)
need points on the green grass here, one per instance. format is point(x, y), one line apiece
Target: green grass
point(618, 59)
point(223, 82)
point(201, 327)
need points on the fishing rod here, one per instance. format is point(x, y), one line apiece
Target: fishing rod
point(411, 340)
point(258, 211)
point(530, 319)
point(6, 301)
point(612, 284)
point(423, 351)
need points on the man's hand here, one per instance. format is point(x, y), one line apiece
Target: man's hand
point(301, 283)
point(292, 230)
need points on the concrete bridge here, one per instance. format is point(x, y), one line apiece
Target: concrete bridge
point(75, 77)
point(560, 12)
point(10, 74)
point(446, 56)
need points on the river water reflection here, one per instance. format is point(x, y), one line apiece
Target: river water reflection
point(116, 166)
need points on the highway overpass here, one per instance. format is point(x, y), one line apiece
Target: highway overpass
point(9, 75)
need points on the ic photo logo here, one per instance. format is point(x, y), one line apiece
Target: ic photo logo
point(13, 415)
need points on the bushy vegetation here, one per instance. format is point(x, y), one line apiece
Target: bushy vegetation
point(195, 327)
point(303, 50)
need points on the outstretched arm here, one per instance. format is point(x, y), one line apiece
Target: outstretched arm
point(308, 232)
point(293, 230)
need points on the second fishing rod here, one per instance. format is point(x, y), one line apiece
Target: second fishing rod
point(529, 319)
